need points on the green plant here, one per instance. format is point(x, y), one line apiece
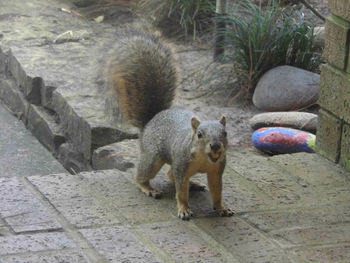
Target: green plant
point(258, 39)
point(189, 14)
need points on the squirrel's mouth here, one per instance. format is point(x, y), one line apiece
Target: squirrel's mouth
point(214, 157)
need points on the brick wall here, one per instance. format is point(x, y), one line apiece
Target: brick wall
point(333, 133)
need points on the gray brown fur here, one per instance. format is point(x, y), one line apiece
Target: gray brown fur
point(173, 136)
point(145, 75)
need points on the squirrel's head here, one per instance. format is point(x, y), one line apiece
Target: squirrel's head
point(210, 138)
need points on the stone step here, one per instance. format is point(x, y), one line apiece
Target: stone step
point(51, 118)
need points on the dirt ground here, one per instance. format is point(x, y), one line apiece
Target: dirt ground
point(215, 105)
point(195, 56)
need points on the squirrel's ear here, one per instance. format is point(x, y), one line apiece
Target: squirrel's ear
point(223, 121)
point(195, 123)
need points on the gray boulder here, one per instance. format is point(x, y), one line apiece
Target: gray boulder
point(286, 88)
point(298, 120)
point(319, 37)
point(120, 155)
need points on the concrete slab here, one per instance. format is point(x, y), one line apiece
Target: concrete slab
point(20, 152)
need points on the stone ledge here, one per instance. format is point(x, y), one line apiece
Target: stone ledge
point(14, 99)
point(65, 77)
point(38, 105)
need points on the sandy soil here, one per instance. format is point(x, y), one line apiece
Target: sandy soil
point(215, 105)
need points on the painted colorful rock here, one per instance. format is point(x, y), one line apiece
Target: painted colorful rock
point(283, 140)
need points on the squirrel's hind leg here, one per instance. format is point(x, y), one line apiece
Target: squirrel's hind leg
point(147, 168)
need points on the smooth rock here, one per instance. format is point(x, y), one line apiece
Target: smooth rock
point(121, 155)
point(299, 120)
point(71, 159)
point(319, 37)
point(286, 88)
point(277, 140)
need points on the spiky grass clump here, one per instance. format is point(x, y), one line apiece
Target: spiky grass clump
point(189, 15)
point(258, 39)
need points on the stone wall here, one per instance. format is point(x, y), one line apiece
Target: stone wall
point(333, 135)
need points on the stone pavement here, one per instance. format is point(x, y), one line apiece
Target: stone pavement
point(290, 208)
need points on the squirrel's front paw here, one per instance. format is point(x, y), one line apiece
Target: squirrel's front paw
point(226, 212)
point(184, 213)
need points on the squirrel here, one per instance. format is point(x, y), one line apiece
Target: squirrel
point(142, 80)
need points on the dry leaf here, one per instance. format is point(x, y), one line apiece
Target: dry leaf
point(99, 19)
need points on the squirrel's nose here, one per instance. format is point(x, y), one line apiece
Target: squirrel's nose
point(215, 147)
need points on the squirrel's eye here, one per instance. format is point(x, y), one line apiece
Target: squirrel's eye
point(225, 134)
point(200, 135)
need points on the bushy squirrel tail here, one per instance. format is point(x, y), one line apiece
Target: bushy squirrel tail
point(143, 77)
